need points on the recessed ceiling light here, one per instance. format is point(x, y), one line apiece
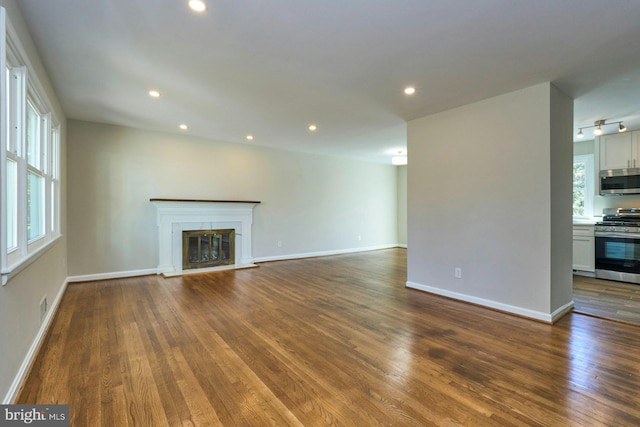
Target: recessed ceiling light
point(409, 90)
point(184, 127)
point(313, 128)
point(250, 137)
point(197, 5)
point(154, 93)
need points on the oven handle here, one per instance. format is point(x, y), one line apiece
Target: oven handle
point(618, 235)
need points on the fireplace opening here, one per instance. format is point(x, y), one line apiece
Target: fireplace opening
point(207, 248)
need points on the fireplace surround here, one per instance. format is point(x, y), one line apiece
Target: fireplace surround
point(175, 216)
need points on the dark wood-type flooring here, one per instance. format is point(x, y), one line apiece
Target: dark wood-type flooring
point(607, 299)
point(326, 341)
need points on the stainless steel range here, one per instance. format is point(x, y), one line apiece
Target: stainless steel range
point(618, 245)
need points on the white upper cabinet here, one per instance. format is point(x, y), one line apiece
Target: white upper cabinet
point(620, 151)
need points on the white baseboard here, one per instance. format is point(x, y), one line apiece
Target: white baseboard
point(584, 273)
point(324, 253)
point(512, 309)
point(561, 311)
point(114, 275)
point(25, 367)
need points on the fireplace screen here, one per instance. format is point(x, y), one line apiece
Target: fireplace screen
point(207, 248)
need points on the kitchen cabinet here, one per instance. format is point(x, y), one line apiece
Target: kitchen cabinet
point(584, 248)
point(620, 151)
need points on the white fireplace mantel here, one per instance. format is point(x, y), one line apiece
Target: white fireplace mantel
point(176, 215)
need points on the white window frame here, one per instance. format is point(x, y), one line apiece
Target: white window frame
point(589, 193)
point(24, 85)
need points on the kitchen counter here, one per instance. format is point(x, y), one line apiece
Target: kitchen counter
point(586, 221)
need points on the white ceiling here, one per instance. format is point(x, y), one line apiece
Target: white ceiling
point(270, 68)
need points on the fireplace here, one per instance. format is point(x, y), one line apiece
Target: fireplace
point(207, 248)
point(218, 250)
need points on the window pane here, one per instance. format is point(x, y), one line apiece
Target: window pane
point(33, 136)
point(45, 141)
point(8, 104)
point(53, 158)
point(579, 188)
point(35, 205)
point(12, 205)
point(54, 206)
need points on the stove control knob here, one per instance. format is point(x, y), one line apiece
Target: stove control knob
point(626, 229)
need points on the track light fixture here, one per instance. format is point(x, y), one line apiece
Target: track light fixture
point(598, 127)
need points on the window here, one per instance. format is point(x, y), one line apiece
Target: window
point(30, 163)
point(583, 178)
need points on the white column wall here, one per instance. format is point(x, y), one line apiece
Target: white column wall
point(482, 197)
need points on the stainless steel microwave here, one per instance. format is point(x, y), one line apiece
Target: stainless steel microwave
point(619, 181)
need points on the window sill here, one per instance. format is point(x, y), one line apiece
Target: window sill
point(17, 267)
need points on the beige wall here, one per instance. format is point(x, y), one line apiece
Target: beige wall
point(480, 198)
point(311, 203)
point(20, 297)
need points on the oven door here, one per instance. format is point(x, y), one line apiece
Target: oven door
point(618, 256)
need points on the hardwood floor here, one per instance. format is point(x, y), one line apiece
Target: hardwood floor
point(326, 341)
point(607, 299)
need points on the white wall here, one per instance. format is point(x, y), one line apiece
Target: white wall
point(561, 190)
point(480, 199)
point(402, 205)
point(584, 147)
point(311, 203)
point(20, 297)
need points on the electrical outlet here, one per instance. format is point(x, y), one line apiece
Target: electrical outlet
point(457, 273)
point(43, 308)
point(279, 243)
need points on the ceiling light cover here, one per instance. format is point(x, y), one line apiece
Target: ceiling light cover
point(250, 137)
point(184, 127)
point(313, 128)
point(197, 5)
point(154, 94)
point(409, 90)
